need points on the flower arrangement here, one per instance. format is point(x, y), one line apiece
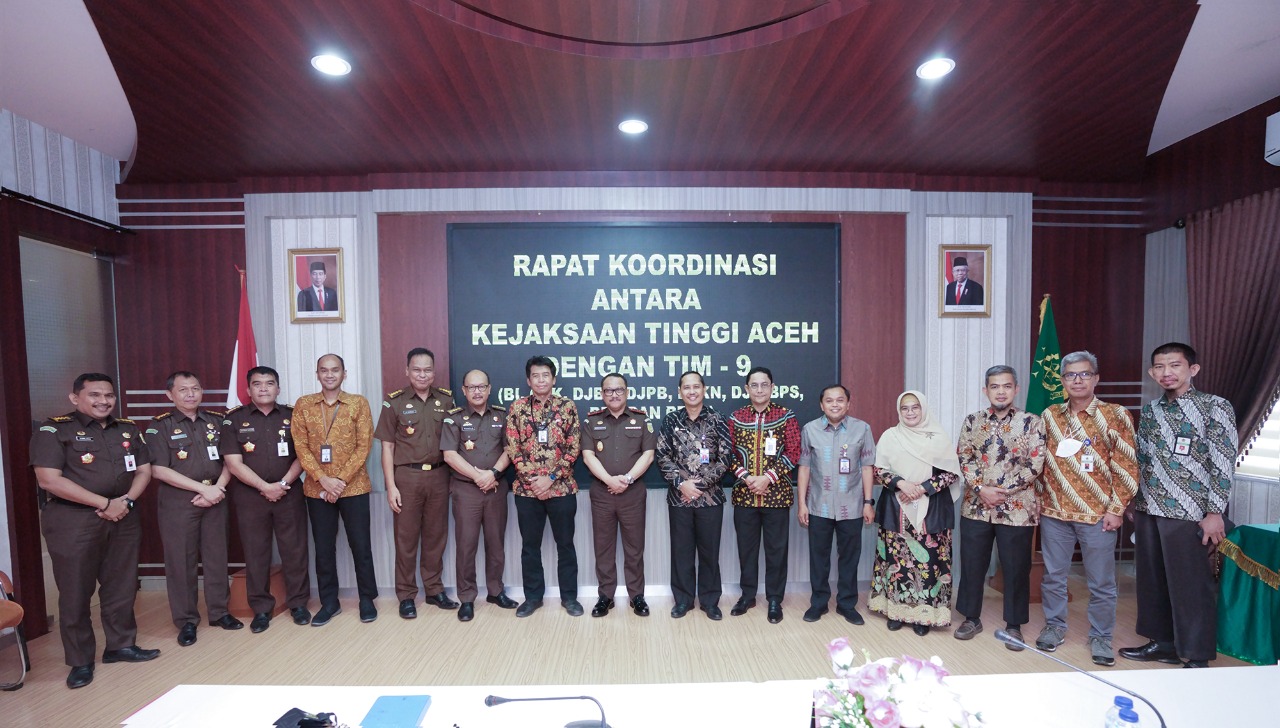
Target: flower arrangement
point(888, 693)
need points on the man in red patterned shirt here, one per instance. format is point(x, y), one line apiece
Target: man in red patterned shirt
point(766, 449)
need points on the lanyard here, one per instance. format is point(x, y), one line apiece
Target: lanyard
point(329, 423)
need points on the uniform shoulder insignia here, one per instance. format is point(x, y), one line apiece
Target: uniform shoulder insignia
point(60, 418)
point(234, 409)
point(393, 395)
point(600, 411)
point(500, 408)
point(637, 411)
point(126, 420)
point(442, 390)
point(455, 410)
point(217, 413)
point(161, 416)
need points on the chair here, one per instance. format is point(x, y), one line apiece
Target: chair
point(11, 618)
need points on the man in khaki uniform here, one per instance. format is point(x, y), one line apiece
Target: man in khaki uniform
point(417, 481)
point(473, 441)
point(618, 445)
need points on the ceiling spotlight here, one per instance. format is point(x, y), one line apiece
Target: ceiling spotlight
point(936, 68)
point(633, 126)
point(331, 64)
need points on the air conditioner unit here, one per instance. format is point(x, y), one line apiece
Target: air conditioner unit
point(1273, 140)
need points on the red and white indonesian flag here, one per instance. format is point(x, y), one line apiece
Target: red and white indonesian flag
point(245, 356)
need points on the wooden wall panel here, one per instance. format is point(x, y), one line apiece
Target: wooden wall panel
point(412, 263)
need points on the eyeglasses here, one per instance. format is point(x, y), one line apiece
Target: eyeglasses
point(475, 387)
point(615, 390)
point(1078, 376)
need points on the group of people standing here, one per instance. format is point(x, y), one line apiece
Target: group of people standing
point(1074, 470)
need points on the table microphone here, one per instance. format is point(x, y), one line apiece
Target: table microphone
point(493, 700)
point(1009, 639)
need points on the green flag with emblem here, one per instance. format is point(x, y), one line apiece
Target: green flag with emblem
point(1046, 376)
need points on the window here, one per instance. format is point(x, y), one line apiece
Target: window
point(1263, 459)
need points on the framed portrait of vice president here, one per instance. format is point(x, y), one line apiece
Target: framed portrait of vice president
point(315, 290)
point(964, 281)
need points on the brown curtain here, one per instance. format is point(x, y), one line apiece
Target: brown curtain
point(1233, 277)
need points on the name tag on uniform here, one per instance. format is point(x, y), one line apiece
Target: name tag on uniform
point(282, 449)
point(542, 435)
point(326, 454)
point(1182, 446)
point(1086, 463)
point(846, 466)
point(704, 456)
point(771, 445)
point(213, 452)
point(130, 463)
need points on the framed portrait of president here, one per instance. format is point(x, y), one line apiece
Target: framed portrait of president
point(964, 280)
point(315, 285)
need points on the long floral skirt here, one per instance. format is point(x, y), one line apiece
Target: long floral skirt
point(912, 580)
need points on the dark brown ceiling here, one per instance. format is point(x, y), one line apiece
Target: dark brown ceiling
point(1064, 91)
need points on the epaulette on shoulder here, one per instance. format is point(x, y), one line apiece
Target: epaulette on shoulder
point(126, 420)
point(393, 395)
point(60, 418)
point(217, 413)
point(235, 409)
point(445, 391)
point(600, 411)
point(498, 407)
point(455, 410)
point(637, 411)
point(161, 416)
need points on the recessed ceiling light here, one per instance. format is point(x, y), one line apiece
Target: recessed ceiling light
point(633, 126)
point(936, 68)
point(331, 64)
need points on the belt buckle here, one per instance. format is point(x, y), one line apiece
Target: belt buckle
point(426, 466)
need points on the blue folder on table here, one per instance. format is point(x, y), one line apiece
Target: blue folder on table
point(397, 711)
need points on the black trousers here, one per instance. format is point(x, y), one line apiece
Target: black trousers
point(1014, 546)
point(695, 532)
point(750, 523)
point(532, 515)
point(354, 511)
point(848, 538)
point(1177, 596)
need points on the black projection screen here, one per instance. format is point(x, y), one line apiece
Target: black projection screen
point(651, 301)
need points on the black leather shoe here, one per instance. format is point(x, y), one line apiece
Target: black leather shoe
point(132, 653)
point(679, 610)
point(894, 625)
point(1151, 652)
point(1196, 663)
point(851, 616)
point(368, 612)
point(602, 607)
point(813, 614)
point(407, 610)
point(80, 676)
point(226, 621)
point(775, 611)
point(920, 629)
point(502, 600)
point(572, 606)
point(301, 616)
point(187, 635)
point(466, 612)
point(742, 605)
point(714, 612)
point(640, 607)
point(260, 622)
point(528, 608)
point(442, 600)
point(324, 615)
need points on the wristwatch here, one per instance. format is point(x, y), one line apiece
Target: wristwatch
point(551, 477)
point(128, 502)
point(496, 473)
point(868, 501)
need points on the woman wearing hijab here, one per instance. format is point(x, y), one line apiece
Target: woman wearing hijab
point(916, 463)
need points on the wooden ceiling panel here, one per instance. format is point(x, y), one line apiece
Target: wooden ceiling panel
point(1057, 91)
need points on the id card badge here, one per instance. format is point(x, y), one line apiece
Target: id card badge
point(1086, 463)
point(704, 456)
point(130, 463)
point(282, 449)
point(542, 436)
point(213, 452)
point(326, 454)
point(771, 445)
point(1182, 446)
point(846, 466)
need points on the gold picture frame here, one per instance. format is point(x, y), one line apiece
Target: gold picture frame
point(309, 303)
point(972, 299)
